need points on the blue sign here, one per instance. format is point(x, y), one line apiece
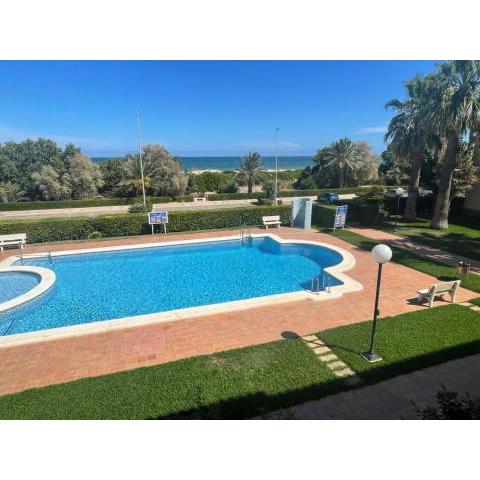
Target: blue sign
point(158, 218)
point(340, 216)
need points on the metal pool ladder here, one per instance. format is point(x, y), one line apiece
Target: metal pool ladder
point(315, 283)
point(245, 234)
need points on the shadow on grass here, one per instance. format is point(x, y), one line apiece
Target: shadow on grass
point(259, 404)
point(377, 372)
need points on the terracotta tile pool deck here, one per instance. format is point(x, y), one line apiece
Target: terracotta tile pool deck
point(57, 361)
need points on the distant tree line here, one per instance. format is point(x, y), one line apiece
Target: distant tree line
point(42, 170)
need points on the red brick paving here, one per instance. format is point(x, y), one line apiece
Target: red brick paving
point(57, 361)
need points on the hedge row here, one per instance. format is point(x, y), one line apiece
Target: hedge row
point(364, 211)
point(114, 201)
point(80, 228)
point(83, 203)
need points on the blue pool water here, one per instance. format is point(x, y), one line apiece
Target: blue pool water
point(14, 284)
point(108, 285)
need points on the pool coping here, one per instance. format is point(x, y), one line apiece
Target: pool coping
point(101, 326)
point(47, 280)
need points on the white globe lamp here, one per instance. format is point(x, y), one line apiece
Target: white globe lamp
point(382, 253)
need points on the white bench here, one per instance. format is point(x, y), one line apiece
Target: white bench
point(200, 199)
point(13, 239)
point(273, 220)
point(437, 290)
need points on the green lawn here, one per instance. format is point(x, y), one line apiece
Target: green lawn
point(236, 384)
point(461, 238)
point(408, 342)
point(438, 270)
point(255, 380)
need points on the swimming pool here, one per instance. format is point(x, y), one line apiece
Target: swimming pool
point(129, 282)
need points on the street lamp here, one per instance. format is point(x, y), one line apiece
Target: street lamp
point(276, 164)
point(381, 254)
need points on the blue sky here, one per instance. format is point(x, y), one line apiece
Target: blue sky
point(201, 107)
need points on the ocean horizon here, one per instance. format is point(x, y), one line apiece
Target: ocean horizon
point(233, 162)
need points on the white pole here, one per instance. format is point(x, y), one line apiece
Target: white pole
point(276, 165)
point(141, 161)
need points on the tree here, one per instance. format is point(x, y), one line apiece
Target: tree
point(84, 177)
point(8, 169)
point(162, 172)
point(11, 192)
point(115, 173)
point(30, 155)
point(49, 185)
point(250, 168)
point(453, 110)
point(407, 134)
point(466, 172)
point(367, 165)
point(342, 156)
point(394, 170)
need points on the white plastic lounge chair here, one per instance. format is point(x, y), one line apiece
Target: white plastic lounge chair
point(439, 289)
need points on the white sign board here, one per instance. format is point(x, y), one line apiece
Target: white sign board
point(340, 216)
point(158, 218)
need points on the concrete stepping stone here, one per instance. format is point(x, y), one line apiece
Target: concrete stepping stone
point(476, 308)
point(327, 358)
point(321, 350)
point(345, 372)
point(336, 365)
point(310, 338)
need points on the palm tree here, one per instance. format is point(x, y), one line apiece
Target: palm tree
point(249, 168)
point(408, 136)
point(343, 156)
point(454, 110)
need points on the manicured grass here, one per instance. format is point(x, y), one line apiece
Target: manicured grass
point(408, 342)
point(461, 238)
point(252, 381)
point(236, 384)
point(475, 301)
point(438, 270)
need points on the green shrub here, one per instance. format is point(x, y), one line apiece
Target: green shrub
point(235, 196)
point(44, 205)
point(184, 198)
point(80, 228)
point(138, 207)
point(323, 215)
point(83, 203)
point(94, 235)
point(211, 181)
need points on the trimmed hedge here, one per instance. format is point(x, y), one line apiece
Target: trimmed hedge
point(115, 201)
point(184, 198)
point(83, 203)
point(364, 211)
point(80, 228)
point(235, 196)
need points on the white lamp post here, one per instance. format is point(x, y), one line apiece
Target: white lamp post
point(381, 254)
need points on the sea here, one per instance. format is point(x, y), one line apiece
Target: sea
point(232, 163)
